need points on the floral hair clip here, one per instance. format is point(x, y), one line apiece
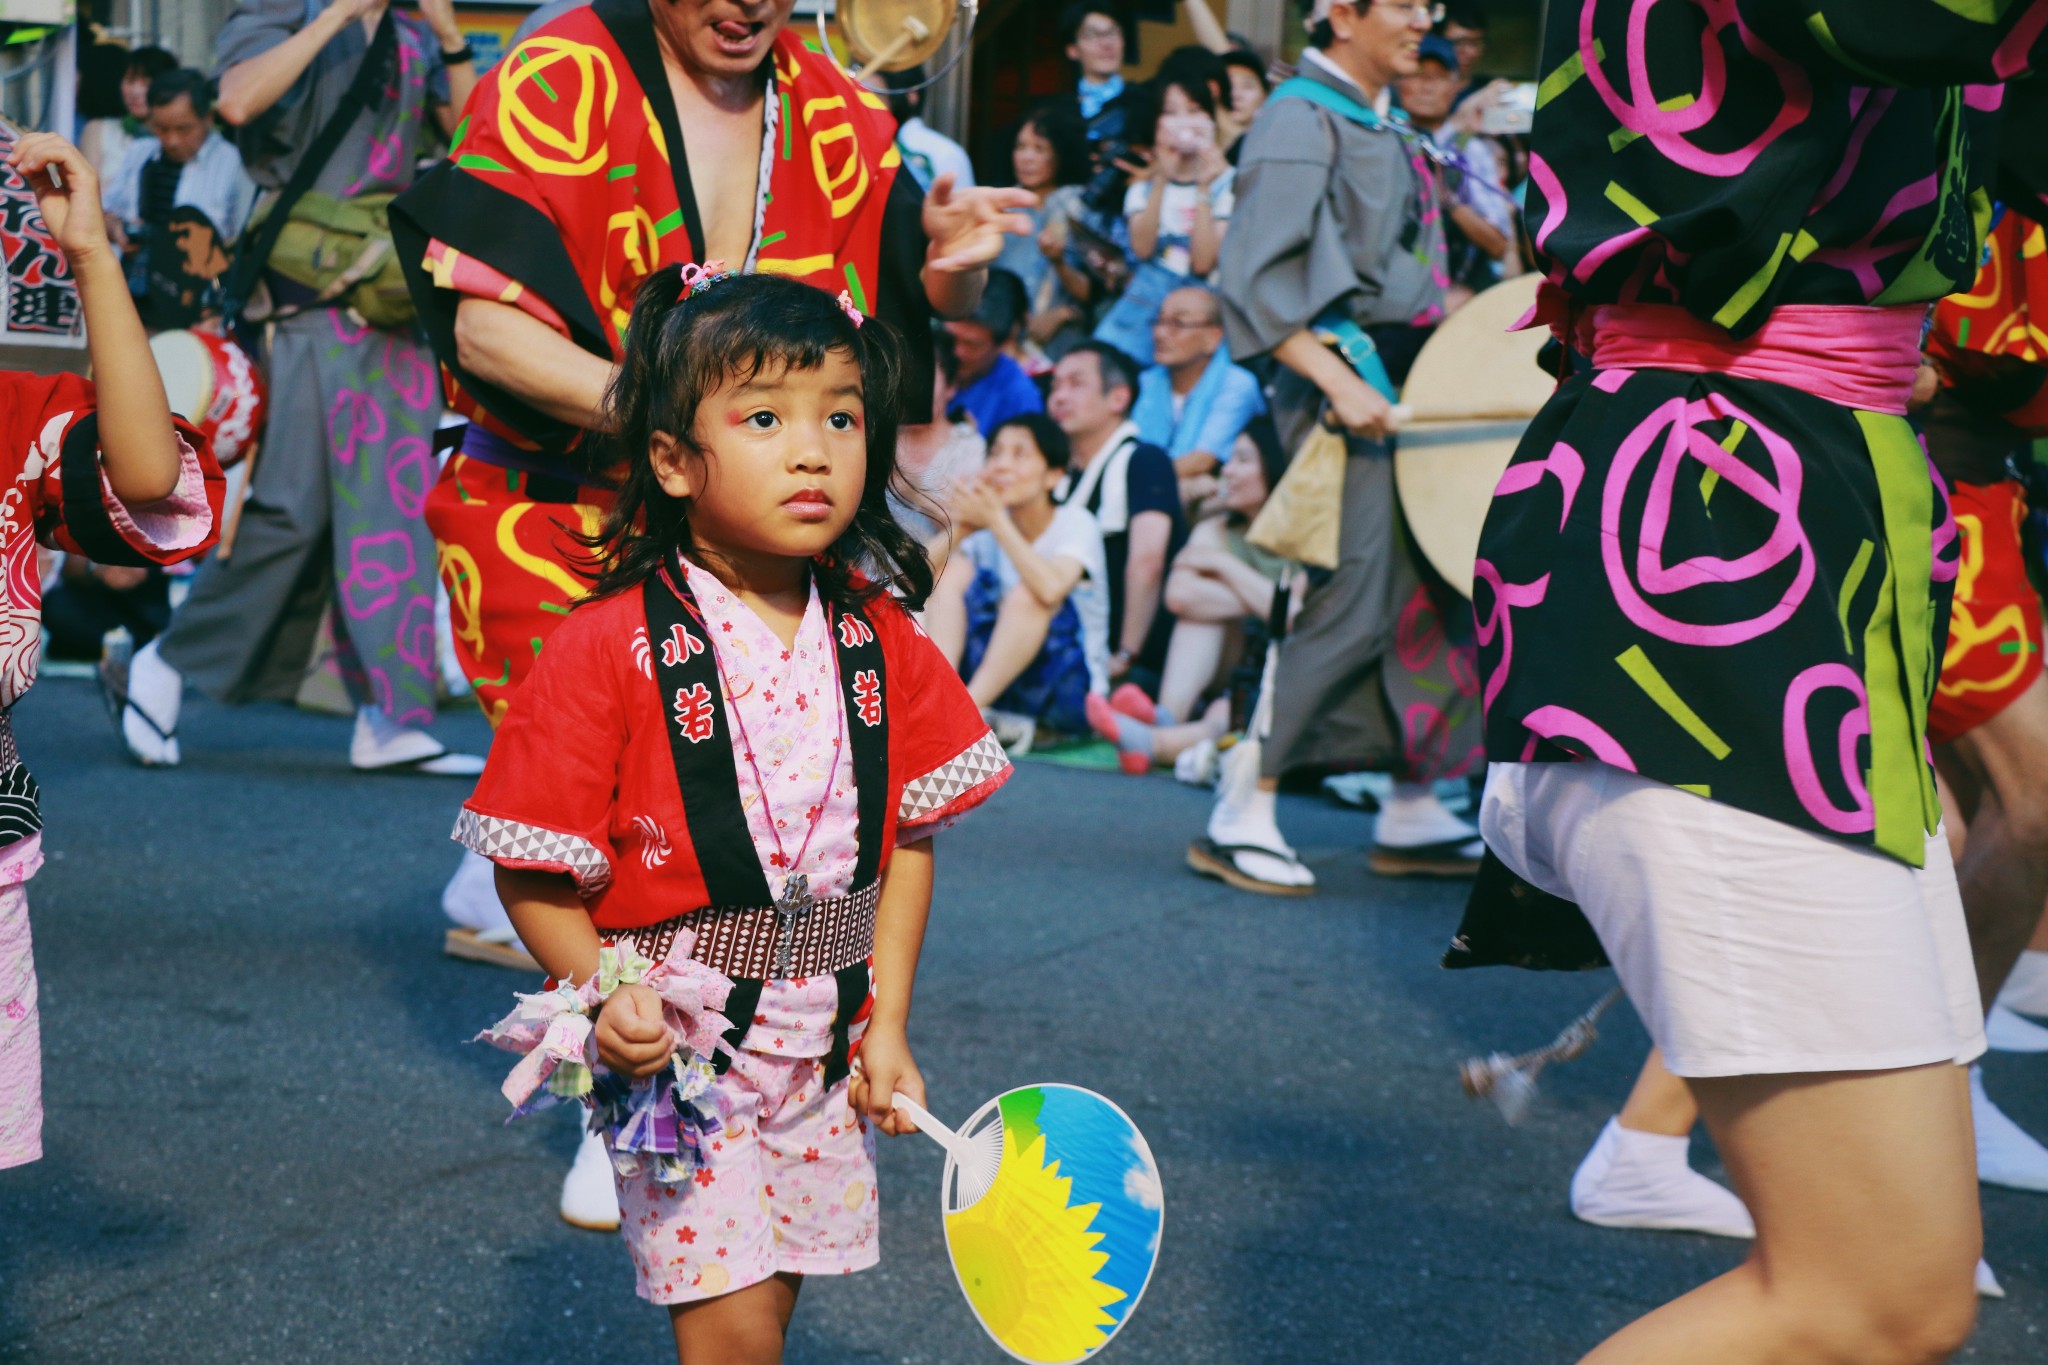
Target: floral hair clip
point(697, 278)
point(847, 306)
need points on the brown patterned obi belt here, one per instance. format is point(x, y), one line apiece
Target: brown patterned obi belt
point(802, 938)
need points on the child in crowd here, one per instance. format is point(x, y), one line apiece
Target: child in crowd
point(106, 474)
point(1023, 604)
point(735, 753)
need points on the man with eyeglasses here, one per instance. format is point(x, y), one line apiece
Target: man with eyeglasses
point(1463, 26)
point(1095, 45)
point(1340, 237)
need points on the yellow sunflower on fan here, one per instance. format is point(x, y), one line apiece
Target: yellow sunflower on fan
point(1028, 1262)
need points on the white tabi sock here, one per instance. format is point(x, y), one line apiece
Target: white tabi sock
point(2007, 1154)
point(157, 690)
point(2026, 990)
point(1633, 1179)
point(1411, 816)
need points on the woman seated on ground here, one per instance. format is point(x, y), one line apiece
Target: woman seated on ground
point(1217, 583)
point(931, 457)
point(1022, 608)
point(1050, 158)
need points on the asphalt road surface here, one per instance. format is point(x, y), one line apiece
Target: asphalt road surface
point(268, 1141)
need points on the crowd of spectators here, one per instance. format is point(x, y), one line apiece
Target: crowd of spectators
point(1098, 367)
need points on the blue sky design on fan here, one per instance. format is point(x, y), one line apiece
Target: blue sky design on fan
point(1093, 1144)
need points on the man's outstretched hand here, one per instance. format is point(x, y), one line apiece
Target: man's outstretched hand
point(966, 227)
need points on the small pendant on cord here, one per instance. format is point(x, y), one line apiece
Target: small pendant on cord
point(795, 902)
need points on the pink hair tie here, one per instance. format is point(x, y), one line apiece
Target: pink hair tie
point(846, 306)
point(696, 277)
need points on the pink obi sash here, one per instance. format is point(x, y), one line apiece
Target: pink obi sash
point(1858, 357)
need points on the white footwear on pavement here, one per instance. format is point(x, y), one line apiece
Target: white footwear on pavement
point(2005, 1031)
point(1988, 1286)
point(471, 899)
point(2026, 990)
point(2007, 1154)
point(590, 1199)
point(1412, 815)
point(1642, 1180)
point(156, 690)
point(380, 744)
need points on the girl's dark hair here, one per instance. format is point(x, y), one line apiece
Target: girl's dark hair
point(1052, 443)
point(1250, 61)
point(677, 353)
point(1062, 127)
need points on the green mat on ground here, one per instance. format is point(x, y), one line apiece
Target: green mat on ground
point(1098, 754)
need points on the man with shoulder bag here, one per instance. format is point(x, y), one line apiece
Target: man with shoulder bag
point(336, 102)
point(1369, 675)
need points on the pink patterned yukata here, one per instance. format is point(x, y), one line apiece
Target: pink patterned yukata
point(790, 1185)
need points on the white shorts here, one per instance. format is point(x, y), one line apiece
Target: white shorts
point(1748, 946)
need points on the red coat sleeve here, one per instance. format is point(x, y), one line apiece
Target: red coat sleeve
point(54, 440)
point(545, 799)
point(941, 752)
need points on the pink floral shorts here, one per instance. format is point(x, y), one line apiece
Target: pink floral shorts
point(789, 1187)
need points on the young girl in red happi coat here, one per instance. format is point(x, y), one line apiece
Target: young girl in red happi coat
point(107, 473)
point(717, 792)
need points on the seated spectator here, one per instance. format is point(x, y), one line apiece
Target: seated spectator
point(1249, 88)
point(928, 152)
point(1480, 218)
point(1130, 488)
point(1219, 584)
point(178, 199)
point(112, 126)
point(88, 600)
point(1193, 401)
point(1176, 214)
point(933, 456)
point(993, 385)
point(1050, 159)
point(1021, 608)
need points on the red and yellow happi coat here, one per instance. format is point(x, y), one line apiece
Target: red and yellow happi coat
point(568, 184)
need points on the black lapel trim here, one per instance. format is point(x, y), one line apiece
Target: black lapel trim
point(509, 235)
point(739, 1012)
point(701, 744)
point(631, 25)
point(853, 985)
point(85, 507)
point(863, 682)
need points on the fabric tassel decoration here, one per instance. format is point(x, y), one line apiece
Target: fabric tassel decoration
point(659, 1121)
point(1510, 1082)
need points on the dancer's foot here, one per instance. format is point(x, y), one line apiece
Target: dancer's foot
point(1244, 849)
point(146, 697)
point(2009, 1032)
point(590, 1198)
point(1988, 1286)
point(382, 745)
point(471, 898)
point(1643, 1180)
point(2007, 1154)
point(1416, 835)
point(2026, 990)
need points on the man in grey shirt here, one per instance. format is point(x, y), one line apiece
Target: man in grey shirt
point(1336, 225)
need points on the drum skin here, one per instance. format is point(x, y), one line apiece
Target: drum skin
point(213, 384)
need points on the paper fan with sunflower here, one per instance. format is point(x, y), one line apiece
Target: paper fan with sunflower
point(1053, 1209)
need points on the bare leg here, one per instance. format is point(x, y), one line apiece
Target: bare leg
point(2003, 873)
point(1193, 654)
point(1021, 625)
point(1660, 1102)
point(1171, 741)
point(1863, 1185)
point(945, 611)
point(745, 1327)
